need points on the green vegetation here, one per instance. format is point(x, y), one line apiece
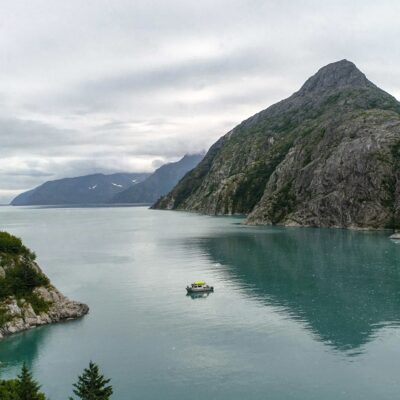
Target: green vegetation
point(12, 245)
point(251, 188)
point(282, 203)
point(192, 180)
point(22, 388)
point(4, 316)
point(20, 276)
point(91, 385)
point(20, 280)
point(396, 152)
point(8, 389)
point(312, 143)
point(26, 387)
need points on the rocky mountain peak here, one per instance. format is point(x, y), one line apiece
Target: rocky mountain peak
point(326, 156)
point(336, 75)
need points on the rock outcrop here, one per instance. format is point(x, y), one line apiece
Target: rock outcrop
point(329, 155)
point(23, 317)
point(27, 298)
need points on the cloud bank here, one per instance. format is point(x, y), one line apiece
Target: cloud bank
point(100, 86)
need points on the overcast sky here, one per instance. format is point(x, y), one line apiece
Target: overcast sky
point(105, 86)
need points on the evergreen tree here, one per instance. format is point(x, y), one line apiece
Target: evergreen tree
point(8, 389)
point(92, 385)
point(26, 387)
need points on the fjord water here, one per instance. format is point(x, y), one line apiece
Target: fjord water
point(298, 313)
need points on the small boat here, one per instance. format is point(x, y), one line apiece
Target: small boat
point(199, 287)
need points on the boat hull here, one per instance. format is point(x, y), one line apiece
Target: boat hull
point(200, 290)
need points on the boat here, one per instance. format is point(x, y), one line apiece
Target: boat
point(199, 287)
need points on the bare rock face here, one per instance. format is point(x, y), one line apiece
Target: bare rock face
point(351, 184)
point(329, 155)
point(62, 307)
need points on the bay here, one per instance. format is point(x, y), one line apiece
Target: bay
point(297, 313)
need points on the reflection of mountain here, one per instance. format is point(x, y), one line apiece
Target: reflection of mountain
point(344, 285)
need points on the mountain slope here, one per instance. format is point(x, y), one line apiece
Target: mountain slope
point(89, 189)
point(159, 183)
point(329, 155)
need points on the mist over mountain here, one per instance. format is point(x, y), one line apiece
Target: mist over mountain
point(159, 183)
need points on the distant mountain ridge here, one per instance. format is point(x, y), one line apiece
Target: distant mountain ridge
point(88, 189)
point(329, 155)
point(159, 183)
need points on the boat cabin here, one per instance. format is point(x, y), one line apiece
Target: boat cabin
point(199, 284)
point(198, 287)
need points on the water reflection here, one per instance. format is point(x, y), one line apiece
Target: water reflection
point(344, 285)
point(22, 347)
point(194, 296)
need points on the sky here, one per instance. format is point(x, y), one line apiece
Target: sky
point(108, 86)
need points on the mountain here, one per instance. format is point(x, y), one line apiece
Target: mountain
point(89, 189)
point(159, 183)
point(329, 155)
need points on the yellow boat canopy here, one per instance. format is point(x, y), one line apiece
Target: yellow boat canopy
point(199, 283)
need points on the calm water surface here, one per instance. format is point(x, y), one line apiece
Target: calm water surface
point(297, 313)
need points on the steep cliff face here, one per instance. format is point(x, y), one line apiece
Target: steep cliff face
point(329, 155)
point(27, 298)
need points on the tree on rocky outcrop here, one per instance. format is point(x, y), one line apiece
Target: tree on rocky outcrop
point(92, 385)
point(26, 387)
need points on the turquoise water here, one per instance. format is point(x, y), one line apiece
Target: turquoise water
point(297, 313)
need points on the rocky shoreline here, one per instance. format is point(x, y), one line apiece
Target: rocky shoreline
point(17, 313)
point(23, 317)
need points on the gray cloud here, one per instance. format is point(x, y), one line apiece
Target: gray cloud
point(111, 86)
point(195, 74)
point(27, 135)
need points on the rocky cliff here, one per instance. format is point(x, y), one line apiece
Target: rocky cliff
point(27, 298)
point(329, 155)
